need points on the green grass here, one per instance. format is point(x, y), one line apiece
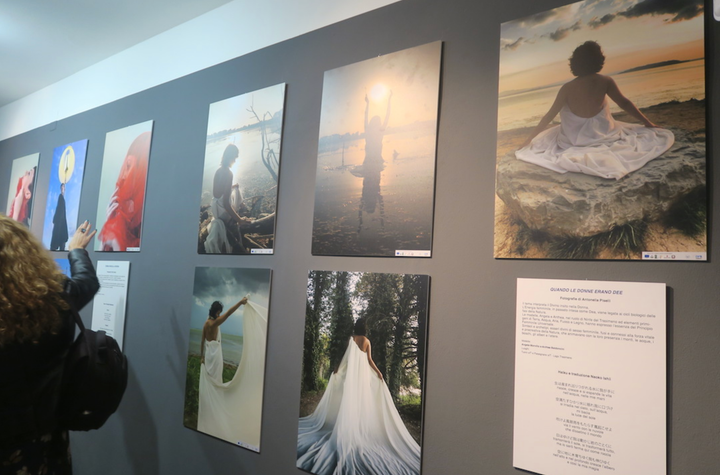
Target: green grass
point(192, 385)
point(627, 239)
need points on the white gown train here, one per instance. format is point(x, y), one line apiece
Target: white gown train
point(232, 411)
point(599, 145)
point(356, 429)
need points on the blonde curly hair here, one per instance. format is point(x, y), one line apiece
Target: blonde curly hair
point(31, 286)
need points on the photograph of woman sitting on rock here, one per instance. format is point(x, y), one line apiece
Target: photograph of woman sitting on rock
point(589, 140)
point(606, 158)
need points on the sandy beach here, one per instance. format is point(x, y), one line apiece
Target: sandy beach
point(687, 117)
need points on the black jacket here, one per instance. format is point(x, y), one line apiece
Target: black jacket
point(30, 373)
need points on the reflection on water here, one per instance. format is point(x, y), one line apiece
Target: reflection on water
point(371, 197)
point(371, 210)
point(678, 82)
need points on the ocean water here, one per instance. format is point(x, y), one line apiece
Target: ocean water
point(232, 346)
point(248, 171)
point(679, 82)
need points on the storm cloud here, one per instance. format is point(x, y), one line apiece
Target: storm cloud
point(509, 45)
point(218, 283)
point(680, 9)
point(596, 22)
point(561, 33)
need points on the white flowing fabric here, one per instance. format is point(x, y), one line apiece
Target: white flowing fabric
point(356, 429)
point(217, 235)
point(232, 410)
point(599, 146)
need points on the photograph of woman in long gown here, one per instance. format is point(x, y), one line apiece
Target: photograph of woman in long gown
point(121, 199)
point(622, 175)
point(375, 176)
point(226, 359)
point(21, 192)
point(363, 374)
point(63, 197)
point(241, 173)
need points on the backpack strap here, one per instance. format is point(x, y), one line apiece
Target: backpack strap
point(73, 310)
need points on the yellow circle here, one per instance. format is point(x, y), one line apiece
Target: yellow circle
point(67, 164)
point(378, 92)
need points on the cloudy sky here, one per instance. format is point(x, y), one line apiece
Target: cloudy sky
point(227, 285)
point(534, 50)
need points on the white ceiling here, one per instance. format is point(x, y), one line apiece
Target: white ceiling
point(44, 41)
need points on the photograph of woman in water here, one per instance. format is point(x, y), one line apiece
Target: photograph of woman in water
point(375, 176)
point(241, 172)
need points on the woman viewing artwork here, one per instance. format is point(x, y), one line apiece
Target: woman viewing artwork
point(365, 419)
point(36, 330)
point(589, 140)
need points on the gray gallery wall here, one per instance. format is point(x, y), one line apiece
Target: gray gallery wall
point(469, 392)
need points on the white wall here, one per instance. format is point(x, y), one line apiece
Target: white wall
point(232, 30)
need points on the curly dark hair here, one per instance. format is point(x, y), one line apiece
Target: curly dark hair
point(215, 309)
point(31, 286)
point(587, 58)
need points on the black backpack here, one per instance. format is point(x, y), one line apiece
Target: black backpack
point(94, 380)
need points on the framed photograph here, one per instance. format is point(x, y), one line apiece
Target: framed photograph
point(601, 149)
point(63, 199)
point(363, 373)
point(240, 175)
point(226, 358)
point(21, 192)
point(121, 199)
point(375, 181)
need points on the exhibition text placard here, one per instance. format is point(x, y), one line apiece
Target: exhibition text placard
point(590, 377)
point(109, 307)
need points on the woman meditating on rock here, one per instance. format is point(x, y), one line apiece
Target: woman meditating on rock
point(589, 140)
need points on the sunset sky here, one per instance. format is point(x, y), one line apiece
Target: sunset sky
point(534, 51)
point(413, 76)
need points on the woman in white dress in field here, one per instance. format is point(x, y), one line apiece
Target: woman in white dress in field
point(589, 140)
point(356, 429)
point(232, 410)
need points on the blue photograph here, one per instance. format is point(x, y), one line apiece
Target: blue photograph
point(63, 198)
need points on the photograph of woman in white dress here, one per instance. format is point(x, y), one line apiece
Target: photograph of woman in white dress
point(363, 373)
point(601, 133)
point(589, 140)
point(226, 361)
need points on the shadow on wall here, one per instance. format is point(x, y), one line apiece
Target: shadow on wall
point(131, 426)
point(139, 431)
